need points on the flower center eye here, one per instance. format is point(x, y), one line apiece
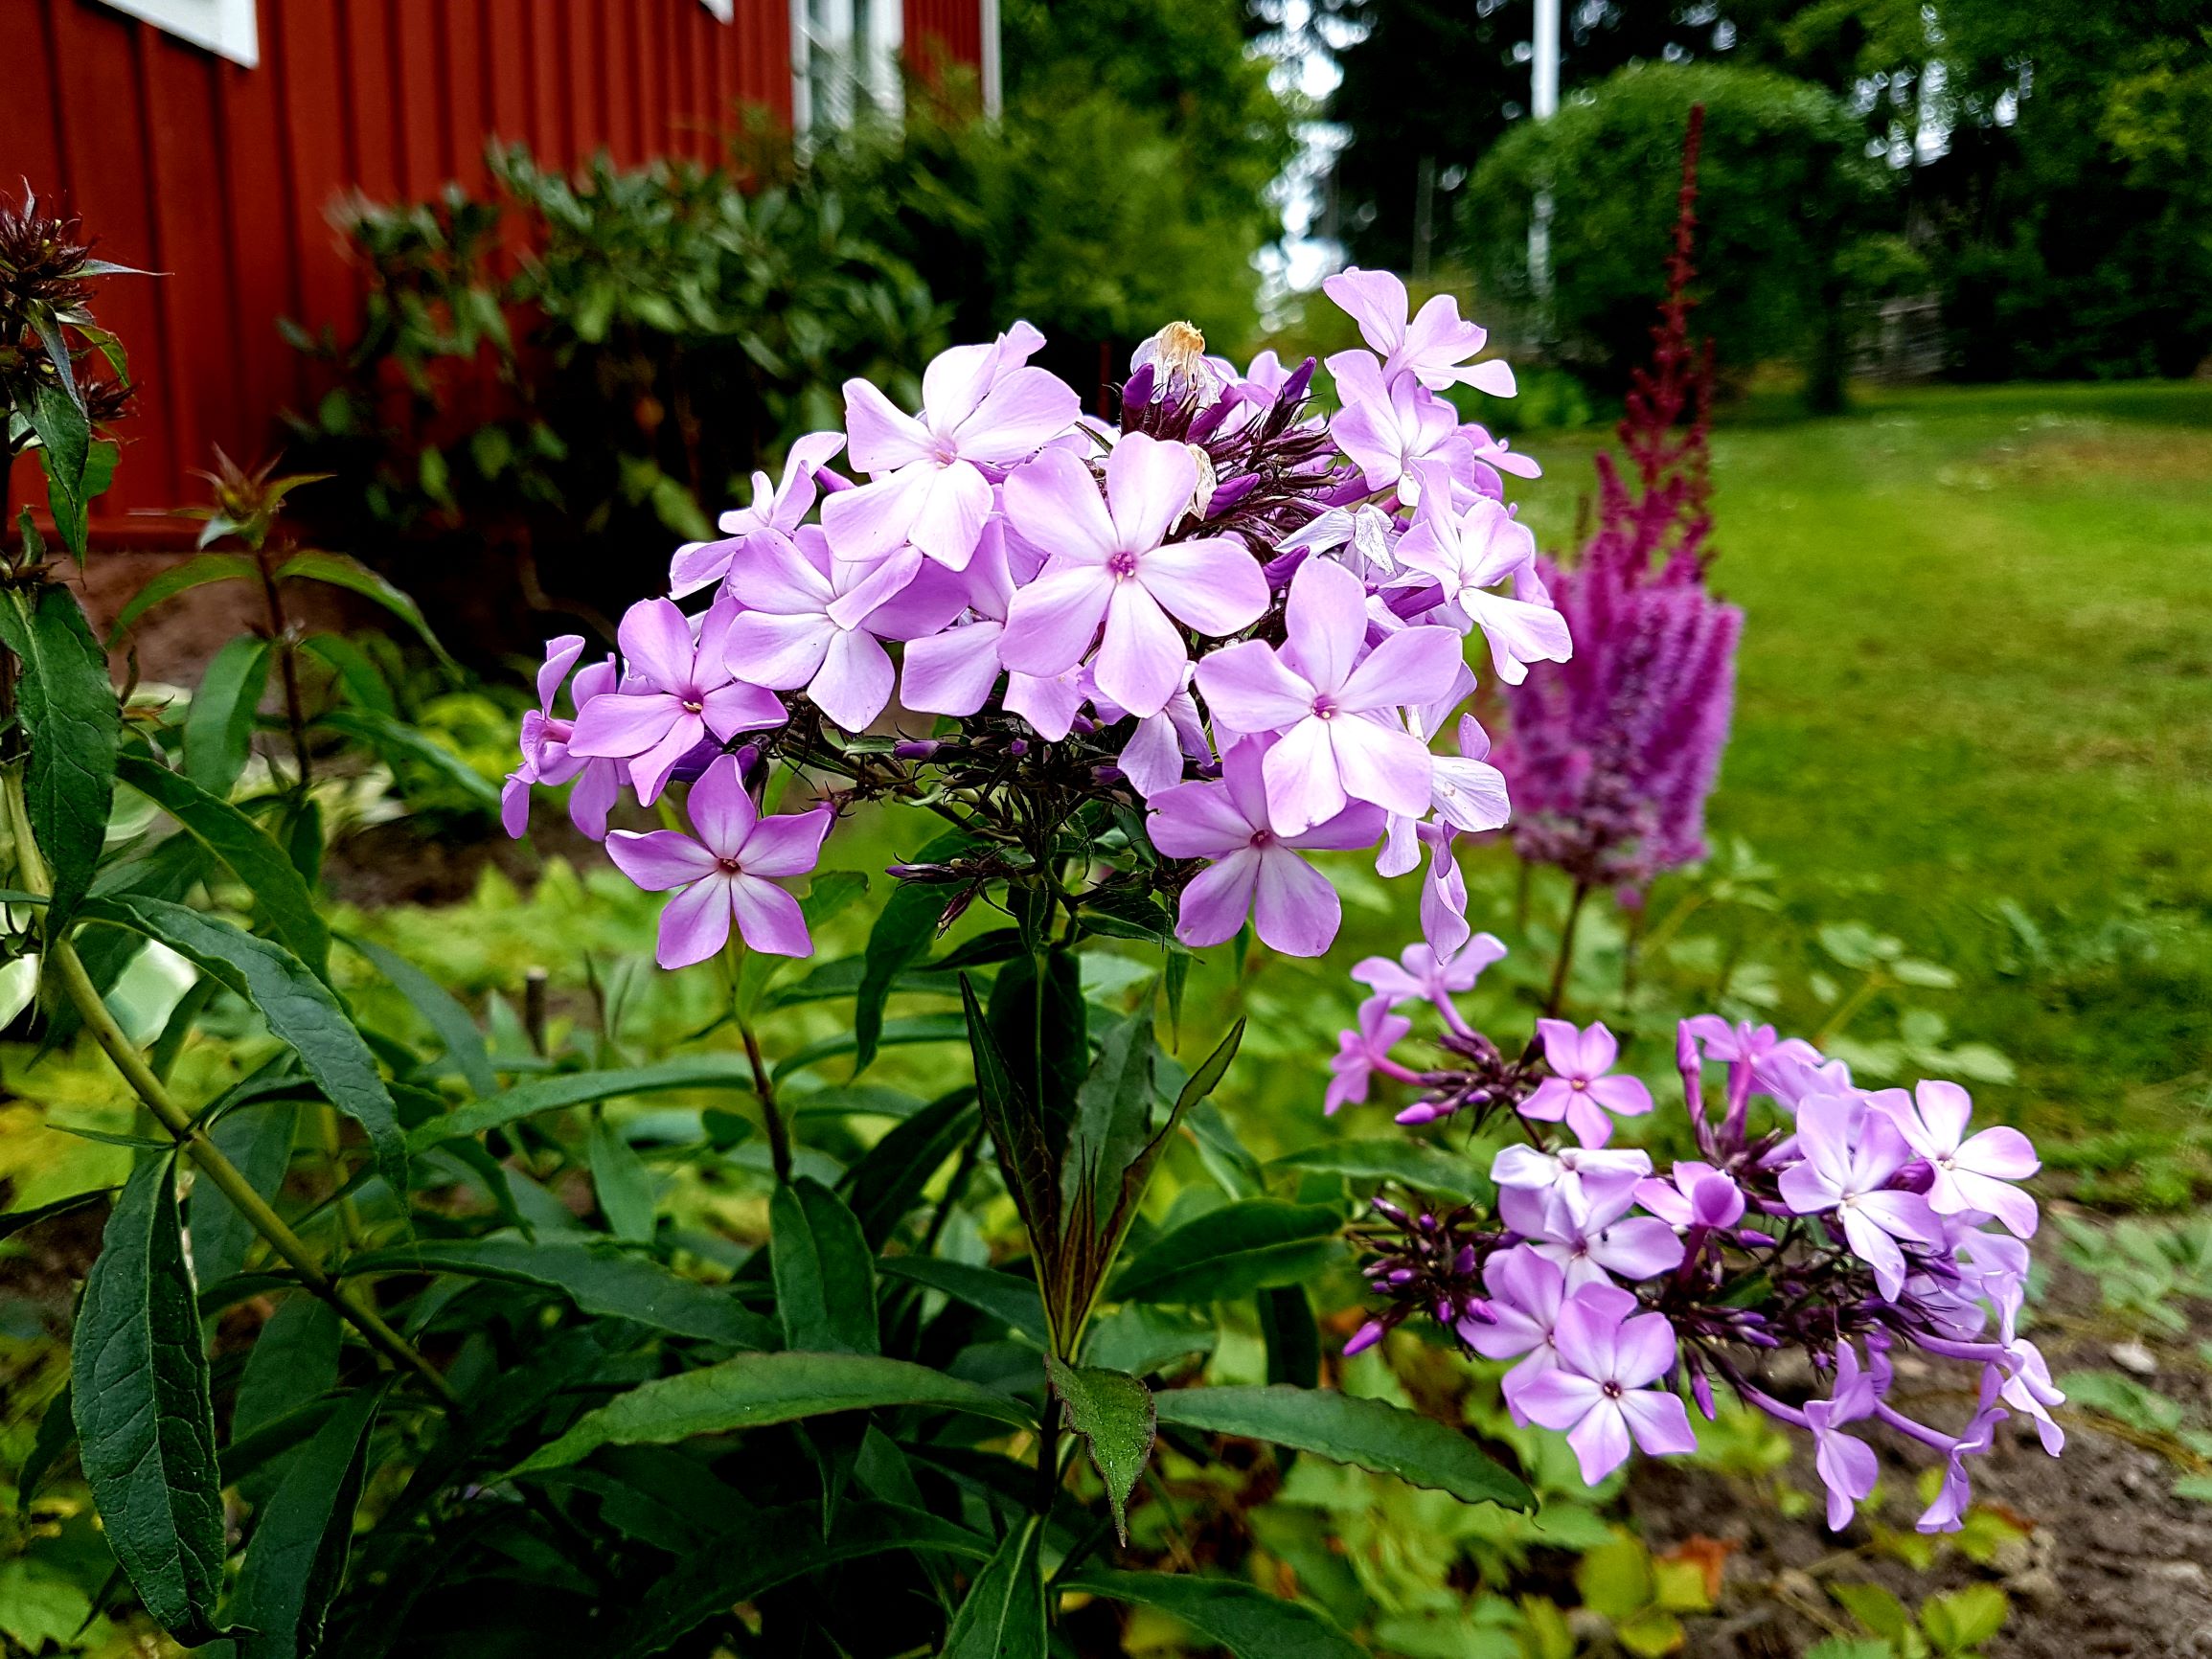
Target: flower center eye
point(1263, 838)
point(1612, 1389)
point(1122, 566)
point(1578, 1084)
point(728, 865)
point(1325, 707)
point(692, 707)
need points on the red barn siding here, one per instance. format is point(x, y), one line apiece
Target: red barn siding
point(222, 176)
point(943, 31)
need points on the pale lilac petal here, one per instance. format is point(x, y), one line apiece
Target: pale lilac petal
point(1627, 1097)
point(1806, 1191)
point(1152, 758)
point(659, 860)
point(854, 683)
point(1378, 764)
point(1659, 1421)
point(1326, 622)
point(1600, 1442)
point(617, 726)
point(1294, 910)
point(949, 516)
point(1048, 702)
point(1644, 1350)
point(1149, 484)
point(2011, 1206)
point(649, 772)
point(1214, 585)
point(598, 786)
point(1905, 1215)
point(1520, 633)
point(514, 806)
point(1470, 795)
point(1053, 502)
point(1218, 900)
point(769, 919)
point(1355, 826)
point(656, 643)
point(1877, 1249)
point(1303, 785)
point(698, 563)
point(1563, 1048)
point(1141, 661)
point(780, 652)
point(956, 382)
point(731, 709)
point(876, 587)
point(1052, 621)
point(1559, 1398)
point(1249, 689)
point(868, 522)
point(697, 923)
point(1025, 410)
point(951, 672)
point(560, 654)
point(790, 845)
point(883, 435)
point(1197, 820)
point(721, 809)
point(1417, 666)
point(1637, 1247)
point(1599, 1050)
point(2000, 1151)
point(774, 573)
point(1375, 299)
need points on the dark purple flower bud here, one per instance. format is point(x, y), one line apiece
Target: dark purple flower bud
point(1018, 747)
point(1364, 1338)
point(916, 749)
point(832, 482)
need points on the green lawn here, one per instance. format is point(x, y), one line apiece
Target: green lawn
point(1975, 711)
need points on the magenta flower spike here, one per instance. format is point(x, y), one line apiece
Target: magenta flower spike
point(678, 693)
point(728, 869)
point(1599, 1391)
point(1581, 1092)
point(1433, 347)
point(1251, 869)
point(982, 408)
point(1333, 708)
point(1110, 564)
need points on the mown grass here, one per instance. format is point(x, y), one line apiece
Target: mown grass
point(1975, 711)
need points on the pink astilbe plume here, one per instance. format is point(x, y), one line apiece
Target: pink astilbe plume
point(1612, 755)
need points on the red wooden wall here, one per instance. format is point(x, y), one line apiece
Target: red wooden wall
point(221, 177)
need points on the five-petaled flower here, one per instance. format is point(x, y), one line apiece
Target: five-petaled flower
point(1579, 1092)
point(1598, 1391)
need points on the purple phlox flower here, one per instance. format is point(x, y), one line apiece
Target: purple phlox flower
point(1576, 1180)
point(1252, 871)
point(1498, 454)
point(1433, 347)
point(729, 868)
point(1181, 369)
point(781, 506)
point(1604, 1240)
point(1466, 793)
point(1790, 1081)
point(1362, 539)
point(545, 746)
point(1389, 429)
point(1693, 1196)
point(1849, 1156)
point(1972, 1173)
point(953, 671)
point(2027, 1387)
point(1111, 565)
point(1263, 382)
point(1420, 975)
point(1335, 710)
point(1847, 1465)
point(1444, 921)
point(1465, 552)
point(680, 690)
point(1525, 1293)
point(1363, 1051)
point(981, 408)
point(1947, 1514)
point(1599, 1392)
point(1994, 1266)
point(1154, 758)
point(1744, 1041)
point(1579, 1093)
point(816, 621)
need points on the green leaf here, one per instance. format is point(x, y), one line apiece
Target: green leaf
point(1011, 1300)
point(296, 1558)
point(1040, 1028)
point(1016, 1137)
point(582, 1088)
point(1293, 1335)
point(402, 745)
point(889, 1181)
point(464, 1043)
point(360, 678)
point(219, 728)
point(928, 1028)
point(194, 572)
point(145, 1424)
point(339, 571)
point(57, 1434)
point(1963, 1618)
point(1138, 1175)
point(73, 723)
point(772, 1546)
point(1112, 1116)
point(831, 892)
point(1232, 1251)
point(1369, 1432)
point(258, 1139)
point(902, 937)
point(281, 900)
point(1424, 1168)
point(65, 448)
point(1224, 1154)
point(602, 1281)
point(622, 1181)
point(1142, 1337)
point(14, 1222)
point(1877, 1608)
point(1227, 1612)
point(754, 1390)
point(299, 1008)
point(824, 1272)
point(1850, 1647)
point(1003, 1617)
point(1113, 1413)
point(293, 1360)
point(1615, 1578)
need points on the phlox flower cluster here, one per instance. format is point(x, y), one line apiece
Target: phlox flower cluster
point(1844, 1223)
point(1176, 652)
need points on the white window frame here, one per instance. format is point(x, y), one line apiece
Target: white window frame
point(228, 28)
point(870, 65)
point(725, 10)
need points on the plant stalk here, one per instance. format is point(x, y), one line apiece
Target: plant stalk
point(76, 983)
point(1558, 985)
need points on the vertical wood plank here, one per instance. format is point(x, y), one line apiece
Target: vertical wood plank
point(260, 228)
point(586, 104)
point(306, 59)
point(373, 99)
point(509, 64)
point(418, 69)
point(187, 194)
point(31, 149)
point(465, 112)
point(618, 33)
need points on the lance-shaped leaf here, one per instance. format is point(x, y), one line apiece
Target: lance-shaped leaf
point(1003, 1617)
point(1113, 1413)
point(281, 896)
point(927, 1027)
point(622, 1181)
point(444, 1015)
point(297, 1557)
point(339, 571)
point(219, 728)
point(299, 1008)
point(1232, 1251)
point(73, 723)
point(144, 1423)
point(165, 585)
point(1112, 1116)
point(1038, 1018)
point(1369, 1432)
point(582, 1088)
point(1227, 1612)
point(169, 871)
point(56, 1435)
point(600, 1280)
point(406, 746)
point(824, 1272)
point(1292, 1334)
point(1016, 1136)
point(772, 1546)
point(756, 1389)
point(257, 1138)
point(889, 1181)
point(902, 937)
point(831, 892)
point(1393, 1158)
point(293, 1361)
point(1011, 1300)
point(65, 451)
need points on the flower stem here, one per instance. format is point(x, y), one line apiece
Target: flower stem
point(1558, 985)
point(764, 1084)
